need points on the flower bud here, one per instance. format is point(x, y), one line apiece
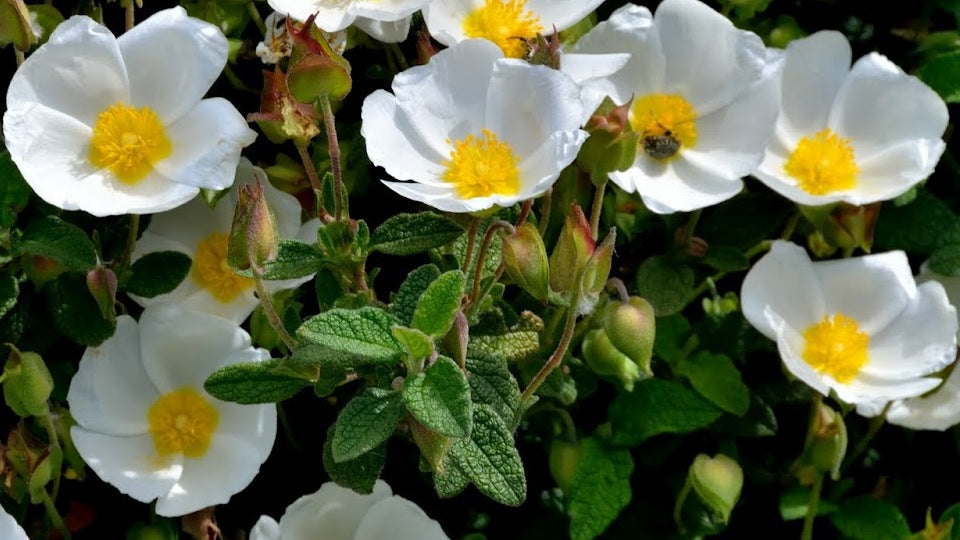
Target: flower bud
point(27, 383)
point(102, 283)
point(564, 458)
point(631, 327)
point(41, 269)
point(281, 117)
point(254, 239)
point(425, 48)
point(844, 225)
point(315, 70)
point(612, 145)
point(525, 259)
point(605, 359)
point(716, 484)
point(544, 52)
point(596, 272)
point(574, 247)
point(825, 451)
point(15, 25)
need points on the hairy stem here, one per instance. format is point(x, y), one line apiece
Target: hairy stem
point(554, 361)
point(596, 209)
point(131, 240)
point(471, 240)
point(333, 148)
point(265, 301)
point(311, 171)
point(812, 503)
point(482, 255)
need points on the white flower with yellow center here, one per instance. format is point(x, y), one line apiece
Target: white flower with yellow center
point(473, 129)
point(337, 513)
point(9, 528)
point(118, 125)
point(201, 232)
point(145, 423)
point(384, 20)
point(860, 327)
point(704, 101)
point(859, 135)
point(508, 23)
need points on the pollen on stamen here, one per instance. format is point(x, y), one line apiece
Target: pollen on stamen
point(128, 141)
point(837, 347)
point(482, 166)
point(508, 23)
point(823, 163)
point(211, 271)
point(182, 422)
point(666, 123)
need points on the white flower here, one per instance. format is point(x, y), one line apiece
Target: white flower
point(145, 423)
point(385, 20)
point(858, 135)
point(592, 73)
point(201, 232)
point(505, 22)
point(474, 129)
point(9, 528)
point(704, 101)
point(118, 125)
point(337, 513)
point(860, 327)
point(941, 409)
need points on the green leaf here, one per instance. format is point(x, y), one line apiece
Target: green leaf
point(158, 273)
point(451, 481)
point(492, 384)
point(417, 344)
point(666, 284)
point(412, 288)
point(672, 334)
point(365, 422)
point(759, 421)
point(294, 260)
point(14, 191)
point(254, 382)
point(438, 304)
point(725, 259)
point(946, 260)
point(490, 459)
point(559, 386)
point(364, 333)
point(63, 242)
point(407, 234)
point(600, 489)
point(9, 290)
point(74, 311)
point(952, 513)
point(44, 471)
point(918, 227)
point(942, 73)
point(656, 406)
point(358, 474)
point(510, 347)
point(439, 398)
point(716, 378)
point(793, 504)
point(869, 518)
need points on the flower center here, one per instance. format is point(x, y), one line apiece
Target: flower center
point(836, 347)
point(666, 123)
point(480, 167)
point(182, 421)
point(505, 22)
point(128, 141)
point(823, 163)
point(211, 271)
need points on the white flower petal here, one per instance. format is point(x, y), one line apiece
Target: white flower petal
point(9, 528)
point(394, 143)
point(771, 172)
point(331, 16)
point(870, 390)
point(561, 14)
point(939, 411)
point(228, 466)
point(265, 529)
point(78, 72)
point(111, 392)
point(782, 282)
point(393, 514)
point(130, 464)
point(879, 106)
point(679, 186)
point(444, 19)
point(104, 195)
point(814, 69)
point(873, 290)
point(709, 61)
point(334, 511)
point(892, 172)
point(385, 31)
point(541, 169)
point(206, 145)
point(441, 198)
point(790, 344)
point(254, 424)
point(172, 59)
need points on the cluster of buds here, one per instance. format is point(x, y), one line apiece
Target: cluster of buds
point(842, 226)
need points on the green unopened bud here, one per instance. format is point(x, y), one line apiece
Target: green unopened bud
point(631, 327)
point(27, 383)
point(433, 446)
point(596, 272)
point(605, 359)
point(933, 530)
point(254, 239)
point(826, 448)
point(717, 481)
point(102, 283)
point(15, 25)
point(316, 71)
point(564, 458)
point(721, 305)
point(612, 145)
point(525, 258)
point(574, 247)
point(41, 269)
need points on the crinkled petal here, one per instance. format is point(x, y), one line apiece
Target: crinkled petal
point(592, 74)
point(678, 186)
point(331, 16)
point(813, 72)
point(334, 510)
point(939, 411)
point(389, 10)
point(110, 393)
point(393, 514)
point(130, 464)
point(172, 60)
point(394, 143)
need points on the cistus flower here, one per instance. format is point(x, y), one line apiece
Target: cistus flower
point(473, 129)
point(508, 23)
point(9, 528)
point(704, 101)
point(118, 125)
point(860, 327)
point(859, 135)
point(384, 20)
point(337, 513)
point(145, 423)
point(203, 233)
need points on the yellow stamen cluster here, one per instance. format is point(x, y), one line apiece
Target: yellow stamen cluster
point(823, 163)
point(482, 166)
point(666, 123)
point(128, 141)
point(182, 422)
point(836, 347)
point(211, 271)
point(508, 23)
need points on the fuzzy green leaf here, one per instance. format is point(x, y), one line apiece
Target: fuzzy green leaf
point(439, 398)
point(511, 347)
point(74, 311)
point(14, 191)
point(294, 260)
point(417, 344)
point(492, 384)
point(942, 73)
point(657, 406)
point(366, 422)
point(918, 227)
point(438, 304)
point(946, 260)
point(63, 242)
point(666, 284)
point(364, 333)
point(489, 458)
point(408, 296)
point(407, 234)
point(451, 481)
point(254, 382)
point(359, 474)
point(869, 518)
point(600, 489)
point(158, 273)
point(725, 259)
point(716, 378)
